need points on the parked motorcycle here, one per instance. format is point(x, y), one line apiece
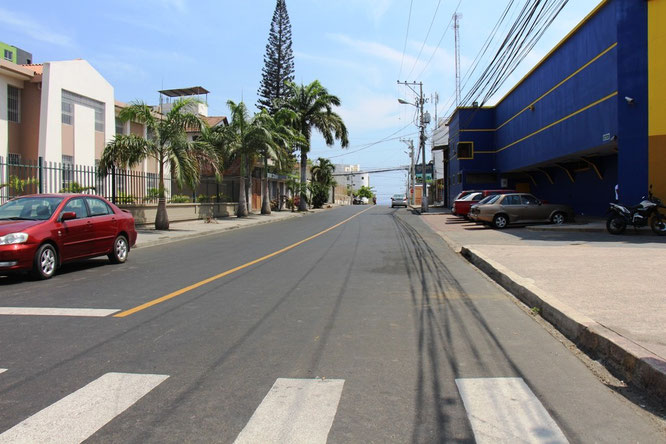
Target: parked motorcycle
point(639, 216)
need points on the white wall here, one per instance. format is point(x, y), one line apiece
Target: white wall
point(4, 124)
point(79, 77)
point(438, 164)
point(355, 181)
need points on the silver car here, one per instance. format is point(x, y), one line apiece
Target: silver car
point(521, 208)
point(398, 200)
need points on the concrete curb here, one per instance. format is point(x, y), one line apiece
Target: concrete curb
point(557, 228)
point(634, 363)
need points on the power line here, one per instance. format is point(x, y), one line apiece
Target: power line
point(440, 42)
point(426, 38)
point(371, 144)
point(404, 48)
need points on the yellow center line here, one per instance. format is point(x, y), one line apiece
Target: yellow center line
point(172, 295)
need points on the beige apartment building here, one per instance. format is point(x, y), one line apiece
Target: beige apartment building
point(60, 111)
point(63, 113)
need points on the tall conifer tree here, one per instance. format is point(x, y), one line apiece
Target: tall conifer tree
point(278, 61)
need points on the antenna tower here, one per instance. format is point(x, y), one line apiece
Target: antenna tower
point(456, 28)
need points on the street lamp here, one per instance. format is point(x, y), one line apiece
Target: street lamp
point(423, 121)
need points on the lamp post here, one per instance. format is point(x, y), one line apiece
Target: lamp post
point(424, 119)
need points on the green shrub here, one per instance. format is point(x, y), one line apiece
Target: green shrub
point(124, 198)
point(74, 187)
point(152, 195)
point(180, 198)
point(319, 194)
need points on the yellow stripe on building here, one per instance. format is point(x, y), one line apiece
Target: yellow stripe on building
point(657, 96)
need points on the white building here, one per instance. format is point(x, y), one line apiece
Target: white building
point(439, 151)
point(351, 176)
point(60, 111)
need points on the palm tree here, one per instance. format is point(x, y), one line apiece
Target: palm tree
point(247, 138)
point(167, 143)
point(280, 129)
point(314, 107)
point(322, 172)
point(322, 181)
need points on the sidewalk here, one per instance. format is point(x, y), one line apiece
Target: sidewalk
point(148, 236)
point(604, 292)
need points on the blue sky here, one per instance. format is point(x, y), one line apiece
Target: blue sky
point(356, 48)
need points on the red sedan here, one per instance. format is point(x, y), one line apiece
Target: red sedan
point(38, 233)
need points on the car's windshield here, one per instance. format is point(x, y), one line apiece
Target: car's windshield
point(398, 196)
point(489, 199)
point(472, 196)
point(29, 208)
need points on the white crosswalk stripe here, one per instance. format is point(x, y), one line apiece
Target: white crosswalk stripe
point(294, 411)
point(504, 410)
point(77, 416)
point(54, 311)
point(2, 370)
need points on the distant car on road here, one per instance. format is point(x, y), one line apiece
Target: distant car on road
point(38, 233)
point(521, 208)
point(399, 200)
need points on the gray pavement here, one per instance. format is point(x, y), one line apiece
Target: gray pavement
point(604, 292)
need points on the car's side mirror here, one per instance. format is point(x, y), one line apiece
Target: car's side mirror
point(69, 215)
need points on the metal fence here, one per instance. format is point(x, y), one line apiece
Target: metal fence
point(119, 186)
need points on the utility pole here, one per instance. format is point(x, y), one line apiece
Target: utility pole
point(410, 179)
point(424, 119)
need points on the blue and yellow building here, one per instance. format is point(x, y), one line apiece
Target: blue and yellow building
point(589, 116)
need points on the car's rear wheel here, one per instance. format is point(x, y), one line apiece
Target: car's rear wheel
point(120, 250)
point(46, 260)
point(500, 221)
point(558, 218)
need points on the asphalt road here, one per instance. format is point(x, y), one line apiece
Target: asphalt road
point(373, 331)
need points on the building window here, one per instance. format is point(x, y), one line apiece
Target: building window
point(120, 126)
point(13, 104)
point(9, 55)
point(14, 159)
point(67, 170)
point(68, 101)
point(465, 150)
point(67, 113)
point(151, 180)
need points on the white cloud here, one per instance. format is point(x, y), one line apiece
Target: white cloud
point(433, 60)
point(141, 23)
point(377, 9)
point(112, 67)
point(141, 55)
point(179, 5)
point(371, 112)
point(329, 61)
point(33, 29)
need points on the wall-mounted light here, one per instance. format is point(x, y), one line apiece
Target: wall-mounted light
point(630, 100)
